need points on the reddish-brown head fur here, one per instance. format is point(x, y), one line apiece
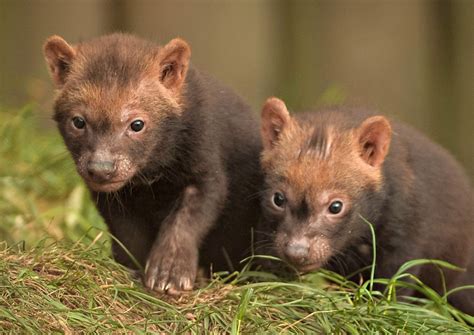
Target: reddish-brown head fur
point(110, 83)
point(321, 160)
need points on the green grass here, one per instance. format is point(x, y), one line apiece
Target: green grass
point(56, 274)
point(40, 192)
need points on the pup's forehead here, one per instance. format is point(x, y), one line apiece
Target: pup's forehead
point(95, 101)
point(113, 103)
point(313, 173)
point(314, 145)
point(114, 61)
point(314, 159)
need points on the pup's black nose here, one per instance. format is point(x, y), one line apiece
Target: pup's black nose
point(101, 171)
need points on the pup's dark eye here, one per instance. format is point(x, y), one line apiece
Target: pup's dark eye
point(279, 199)
point(335, 207)
point(78, 122)
point(137, 125)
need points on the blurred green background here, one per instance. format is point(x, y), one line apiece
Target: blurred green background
point(410, 59)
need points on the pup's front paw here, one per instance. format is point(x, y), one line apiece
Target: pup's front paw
point(171, 269)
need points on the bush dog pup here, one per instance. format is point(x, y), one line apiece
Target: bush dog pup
point(324, 170)
point(169, 155)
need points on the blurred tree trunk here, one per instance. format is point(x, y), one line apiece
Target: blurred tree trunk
point(463, 62)
point(375, 52)
point(452, 78)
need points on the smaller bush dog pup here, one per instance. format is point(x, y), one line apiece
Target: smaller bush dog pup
point(324, 169)
point(169, 155)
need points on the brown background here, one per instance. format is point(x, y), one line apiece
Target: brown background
point(410, 59)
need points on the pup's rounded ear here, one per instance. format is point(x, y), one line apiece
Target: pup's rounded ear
point(174, 62)
point(374, 136)
point(275, 118)
point(59, 55)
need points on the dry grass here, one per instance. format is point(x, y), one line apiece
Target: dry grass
point(76, 288)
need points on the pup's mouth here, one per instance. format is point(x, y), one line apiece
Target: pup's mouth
point(106, 186)
point(308, 267)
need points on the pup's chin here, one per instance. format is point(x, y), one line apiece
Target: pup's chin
point(106, 187)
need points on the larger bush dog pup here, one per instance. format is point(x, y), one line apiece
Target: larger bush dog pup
point(169, 155)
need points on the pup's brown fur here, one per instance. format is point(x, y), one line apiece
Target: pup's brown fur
point(170, 155)
point(413, 192)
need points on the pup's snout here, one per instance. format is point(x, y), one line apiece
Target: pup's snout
point(297, 251)
point(101, 170)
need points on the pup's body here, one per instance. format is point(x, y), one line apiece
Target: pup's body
point(170, 156)
point(323, 170)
